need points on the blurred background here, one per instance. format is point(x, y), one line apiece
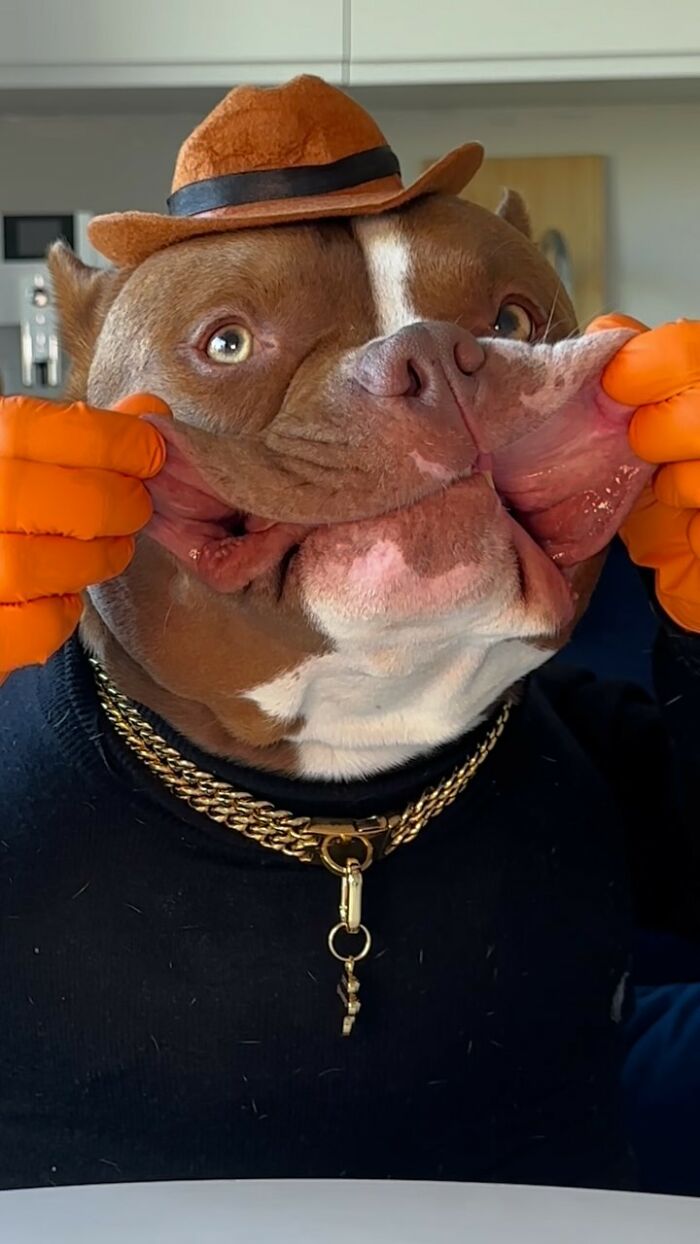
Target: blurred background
point(592, 111)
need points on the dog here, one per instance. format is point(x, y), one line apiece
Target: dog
point(392, 473)
point(392, 467)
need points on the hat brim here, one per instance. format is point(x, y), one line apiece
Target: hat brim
point(127, 238)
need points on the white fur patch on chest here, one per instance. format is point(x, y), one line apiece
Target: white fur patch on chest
point(388, 694)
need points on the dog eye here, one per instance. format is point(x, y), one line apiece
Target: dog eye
point(514, 322)
point(232, 344)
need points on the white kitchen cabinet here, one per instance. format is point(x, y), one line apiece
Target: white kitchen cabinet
point(395, 41)
point(116, 43)
point(49, 44)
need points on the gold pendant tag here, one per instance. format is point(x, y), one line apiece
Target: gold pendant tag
point(350, 923)
point(348, 989)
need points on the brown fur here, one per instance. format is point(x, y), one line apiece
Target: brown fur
point(512, 209)
point(83, 296)
point(290, 436)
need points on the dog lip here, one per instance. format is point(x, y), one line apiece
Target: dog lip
point(204, 532)
point(228, 562)
point(253, 523)
point(223, 561)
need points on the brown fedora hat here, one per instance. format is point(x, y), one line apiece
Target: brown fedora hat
point(270, 156)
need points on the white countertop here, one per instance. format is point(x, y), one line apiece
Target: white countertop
point(341, 1212)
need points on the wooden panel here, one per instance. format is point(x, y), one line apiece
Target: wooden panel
point(565, 194)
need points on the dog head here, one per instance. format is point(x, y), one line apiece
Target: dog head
point(390, 475)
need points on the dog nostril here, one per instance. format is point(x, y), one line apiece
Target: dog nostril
point(414, 381)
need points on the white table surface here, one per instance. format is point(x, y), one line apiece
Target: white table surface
point(342, 1212)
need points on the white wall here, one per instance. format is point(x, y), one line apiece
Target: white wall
point(115, 162)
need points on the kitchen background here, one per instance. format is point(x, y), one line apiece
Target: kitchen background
point(109, 160)
point(95, 99)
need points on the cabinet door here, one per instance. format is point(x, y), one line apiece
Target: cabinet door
point(165, 42)
point(397, 40)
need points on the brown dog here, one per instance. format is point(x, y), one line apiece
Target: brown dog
point(383, 503)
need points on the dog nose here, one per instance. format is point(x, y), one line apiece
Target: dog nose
point(419, 360)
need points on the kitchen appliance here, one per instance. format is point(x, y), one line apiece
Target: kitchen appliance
point(30, 355)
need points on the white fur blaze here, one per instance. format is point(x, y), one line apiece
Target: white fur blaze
point(388, 257)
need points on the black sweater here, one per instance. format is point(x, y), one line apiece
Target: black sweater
point(169, 1007)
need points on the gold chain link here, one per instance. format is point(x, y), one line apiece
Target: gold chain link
point(308, 839)
point(301, 837)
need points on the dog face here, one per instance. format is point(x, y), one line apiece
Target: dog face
point(390, 474)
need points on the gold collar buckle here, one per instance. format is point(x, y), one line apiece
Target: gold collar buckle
point(341, 841)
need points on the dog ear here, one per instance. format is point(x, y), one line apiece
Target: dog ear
point(512, 209)
point(83, 296)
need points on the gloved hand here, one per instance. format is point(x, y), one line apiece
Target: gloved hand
point(658, 371)
point(71, 500)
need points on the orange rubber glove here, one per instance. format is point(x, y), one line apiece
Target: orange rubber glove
point(71, 500)
point(658, 371)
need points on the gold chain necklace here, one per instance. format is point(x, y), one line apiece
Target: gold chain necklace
point(346, 848)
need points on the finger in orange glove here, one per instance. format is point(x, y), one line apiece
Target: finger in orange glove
point(658, 371)
point(71, 501)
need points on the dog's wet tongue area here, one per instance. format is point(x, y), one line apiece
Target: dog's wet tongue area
point(227, 548)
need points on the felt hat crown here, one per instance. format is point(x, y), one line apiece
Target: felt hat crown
point(268, 156)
